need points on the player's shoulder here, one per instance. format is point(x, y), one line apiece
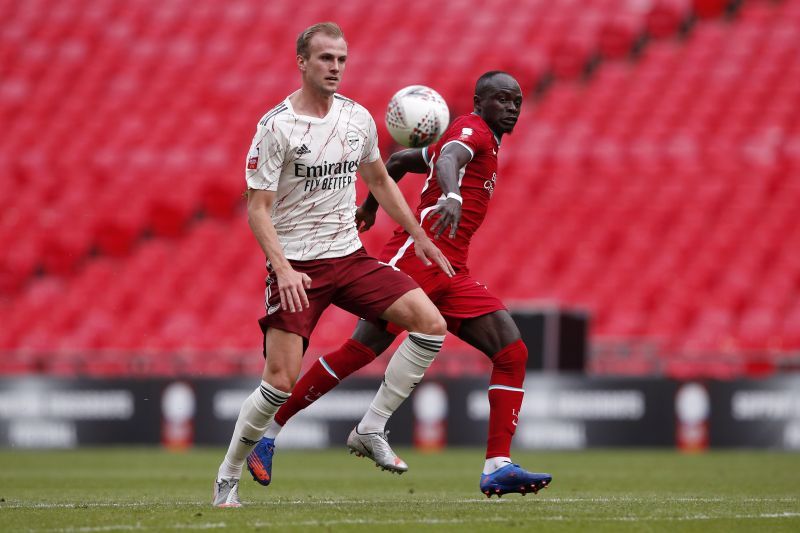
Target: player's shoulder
point(348, 104)
point(470, 121)
point(470, 129)
point(278, 112)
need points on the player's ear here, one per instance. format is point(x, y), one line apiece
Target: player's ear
point(301, 63)
point(476, 102)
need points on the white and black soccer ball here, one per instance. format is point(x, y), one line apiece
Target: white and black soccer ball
point(417, 116)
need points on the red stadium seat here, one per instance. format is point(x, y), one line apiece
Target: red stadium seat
point(666, 16)
point(658, 193)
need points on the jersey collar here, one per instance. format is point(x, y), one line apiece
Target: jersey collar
point(496, 139)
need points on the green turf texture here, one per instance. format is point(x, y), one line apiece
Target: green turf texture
point(123, 489)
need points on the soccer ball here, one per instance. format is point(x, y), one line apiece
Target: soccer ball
point(417, 116)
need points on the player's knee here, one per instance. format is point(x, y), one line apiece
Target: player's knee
point(439, 325)
point(429, 322)
point(281, 381)
point(512, 357)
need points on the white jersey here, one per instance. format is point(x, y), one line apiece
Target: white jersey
point(311, 163)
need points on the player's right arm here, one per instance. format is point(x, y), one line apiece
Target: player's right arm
point(453, 158)
point(264, 163)
point(292, 284)
point(398, 165)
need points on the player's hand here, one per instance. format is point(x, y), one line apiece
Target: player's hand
point(365, 218)
point(427, 252)
point(449, 214)
point(293, 285)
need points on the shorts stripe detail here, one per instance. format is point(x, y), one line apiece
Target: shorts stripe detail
point(401, 252)
point(272, 398)
point(328, 368)
point(504, 387)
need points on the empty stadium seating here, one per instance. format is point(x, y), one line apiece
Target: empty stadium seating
point(653, 182)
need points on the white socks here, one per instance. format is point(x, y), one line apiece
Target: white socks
point(404, 371)
point(273, 430)
point(255, 415)
point(495, 463)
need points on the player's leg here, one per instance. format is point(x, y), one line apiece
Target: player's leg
point(285, 340)
point(284, 352)
point(496, 335)
point(416, 313)
point(377, 291)
point(368, 341)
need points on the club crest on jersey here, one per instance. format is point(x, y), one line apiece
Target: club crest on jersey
point(352, 139)
point(490, 184)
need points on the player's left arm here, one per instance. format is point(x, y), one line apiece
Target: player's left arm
point(453, 158)
point(399, 164)
point(385, 190)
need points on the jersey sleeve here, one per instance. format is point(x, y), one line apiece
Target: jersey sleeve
point(463, 134)
point(371, 151)
point(265, 159)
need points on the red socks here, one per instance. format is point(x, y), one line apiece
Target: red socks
point(505, 388)
point(324, 375)
point(505, 397)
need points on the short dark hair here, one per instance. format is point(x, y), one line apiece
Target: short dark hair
point(483, 82)
point(330, 29)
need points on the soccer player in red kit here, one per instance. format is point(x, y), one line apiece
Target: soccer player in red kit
point(462, 175)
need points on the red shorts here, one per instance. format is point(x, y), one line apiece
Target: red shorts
point(457, 298)
point(357, 283)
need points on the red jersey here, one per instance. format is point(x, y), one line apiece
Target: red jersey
point(476, 182)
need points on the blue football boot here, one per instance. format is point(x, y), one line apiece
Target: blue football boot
point(259, 462)
point(513, 478)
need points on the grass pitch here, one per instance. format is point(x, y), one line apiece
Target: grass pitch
point(122, 489)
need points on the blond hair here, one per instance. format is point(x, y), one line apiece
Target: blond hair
point(330, 29)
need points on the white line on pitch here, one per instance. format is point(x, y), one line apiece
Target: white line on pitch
point(476, 500)
point(421, 521)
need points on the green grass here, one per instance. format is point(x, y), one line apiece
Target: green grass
point(122, 489)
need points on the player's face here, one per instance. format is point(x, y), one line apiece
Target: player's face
point(323, 68)
point(500, 104)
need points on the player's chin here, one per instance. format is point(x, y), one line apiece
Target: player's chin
point(508, 126)
point(329, 88)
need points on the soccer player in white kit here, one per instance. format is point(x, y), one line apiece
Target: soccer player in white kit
point(301, 173)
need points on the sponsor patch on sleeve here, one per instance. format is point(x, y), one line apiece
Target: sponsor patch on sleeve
point(252, 158)
point(465, 133)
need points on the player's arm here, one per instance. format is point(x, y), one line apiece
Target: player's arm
point(292, 284)
point(400, 163)
point(454, 157)
point(385, 190)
